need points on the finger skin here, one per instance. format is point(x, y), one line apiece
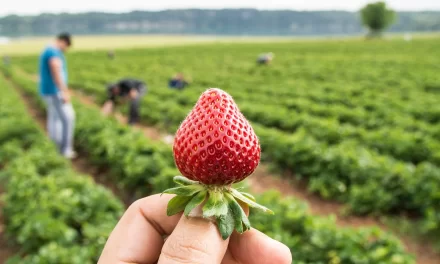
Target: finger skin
point(194, 240)
point(138, 237)
point(254, 247)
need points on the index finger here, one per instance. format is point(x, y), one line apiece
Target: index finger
point(139, 235)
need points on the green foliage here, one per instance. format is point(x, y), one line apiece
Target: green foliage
point(53, 214)
point(55, 253)
point(357, 120)
point(377, 17)
point(317, 239)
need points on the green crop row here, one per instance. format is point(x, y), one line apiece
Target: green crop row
point(346, 171)
point(53, 214)
point(341, 160)
point(352, 74)
point(333, 157)
point(143, 166)
point(364, 97)
point(365, 180)
point(401, 144)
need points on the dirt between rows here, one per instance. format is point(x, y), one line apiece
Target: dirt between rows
point(261, 180)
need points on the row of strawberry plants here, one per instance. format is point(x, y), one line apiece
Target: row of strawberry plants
point(330, 123)
point(53, 214)
point(407, 139)
point(369, 113)
point(346, 171)
point(348, 85)
point(409, 146)
point(142, 167)
point(401, 144)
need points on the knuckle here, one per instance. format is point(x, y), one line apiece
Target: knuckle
point(185, 251)
point(135, 205)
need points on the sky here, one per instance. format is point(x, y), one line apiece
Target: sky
point(30, 7)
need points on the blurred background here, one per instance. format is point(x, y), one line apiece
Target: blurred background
point(343, 96)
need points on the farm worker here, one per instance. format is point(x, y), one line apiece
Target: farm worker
point(265, 58)
point(178, 82)
point(128, 89)
point(53, 88)
point(139, 238)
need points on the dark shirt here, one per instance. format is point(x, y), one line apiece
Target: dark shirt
point(178, 84)
point(125, 87)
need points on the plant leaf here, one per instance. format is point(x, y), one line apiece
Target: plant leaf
point(184, 181)
point(248, 195)
point(195, 201)
point(177, 204)
point(216, 205)
point(238, 214)
point(248, 201)
point(226, 224)
point(185, 190)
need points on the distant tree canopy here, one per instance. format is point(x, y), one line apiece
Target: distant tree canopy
point(377, 17)
point(216, 22)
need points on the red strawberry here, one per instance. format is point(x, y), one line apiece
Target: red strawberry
point(215, 144)
point(214, 147)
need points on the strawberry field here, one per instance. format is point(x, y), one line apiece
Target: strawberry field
point(357, 122)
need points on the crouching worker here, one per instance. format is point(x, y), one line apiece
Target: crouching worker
point(130, 90)
point(178, 82)
point(265, 59)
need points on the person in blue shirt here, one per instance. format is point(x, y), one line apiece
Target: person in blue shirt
point(53, 88)
point(178, 82)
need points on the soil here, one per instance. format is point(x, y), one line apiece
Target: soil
point(263, 180)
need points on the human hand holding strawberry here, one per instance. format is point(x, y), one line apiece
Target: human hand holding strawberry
point(214, 147)
point(139, 238)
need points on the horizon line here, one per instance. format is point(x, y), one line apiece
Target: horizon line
point(196, 8)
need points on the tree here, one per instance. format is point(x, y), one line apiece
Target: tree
point(377, 17)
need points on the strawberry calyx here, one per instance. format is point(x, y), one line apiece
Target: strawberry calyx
point(219, 202)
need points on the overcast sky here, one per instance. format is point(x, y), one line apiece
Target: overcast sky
point(39, 6)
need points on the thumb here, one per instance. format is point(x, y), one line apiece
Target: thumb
point(194, 240)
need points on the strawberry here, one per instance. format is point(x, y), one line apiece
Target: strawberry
point(215, 144)
point(214, 147)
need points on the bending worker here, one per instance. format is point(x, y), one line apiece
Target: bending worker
point(178, 82)
point(126, 89)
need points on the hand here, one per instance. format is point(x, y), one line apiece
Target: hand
point(107, 108)
point(138, 238)
point(65, 96)
point(133, 94)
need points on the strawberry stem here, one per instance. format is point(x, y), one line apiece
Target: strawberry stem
point(219, 202)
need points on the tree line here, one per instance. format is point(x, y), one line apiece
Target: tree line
point(219, 22)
